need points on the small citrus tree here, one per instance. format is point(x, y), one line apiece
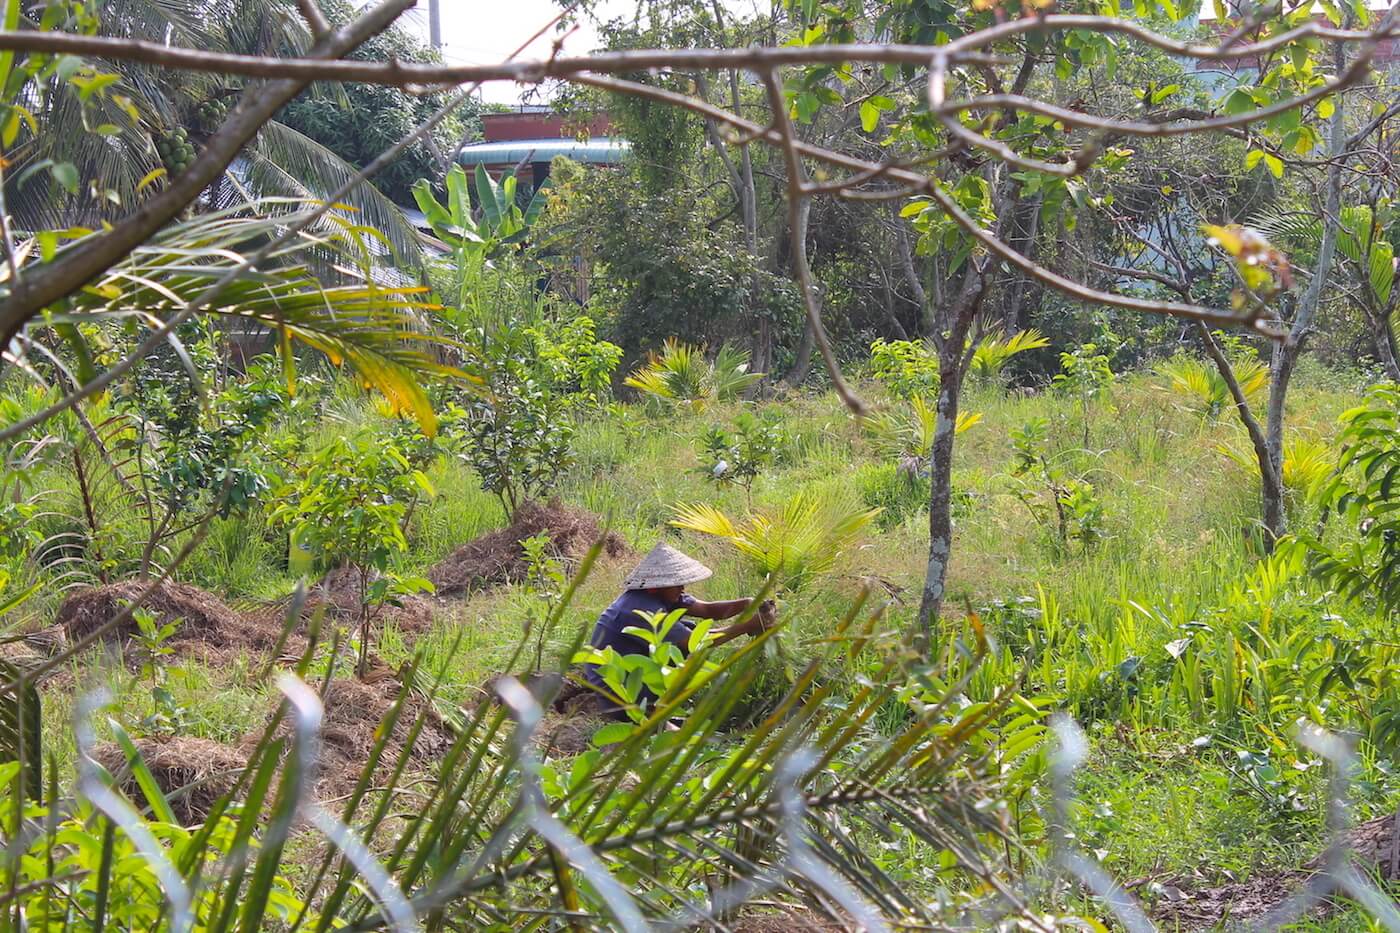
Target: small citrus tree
point(347, 507)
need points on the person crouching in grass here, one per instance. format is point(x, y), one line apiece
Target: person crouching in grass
point(658, 585)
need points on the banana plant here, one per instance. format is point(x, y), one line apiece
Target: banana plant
point(497, 222)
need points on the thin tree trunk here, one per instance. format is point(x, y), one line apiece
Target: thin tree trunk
point(911, 275)
point(1285, 355)
point(802, 361)
point(1014, 297)
point(952, 367)
point(940, 509)
point(1269, 473)
point(1383, 335)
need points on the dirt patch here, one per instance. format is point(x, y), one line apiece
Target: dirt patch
point(208, 628)
point(193, 773)
point(354, 710)
point(497, 558)
point(1190, 907)
point(789, 920)
point(563, 735)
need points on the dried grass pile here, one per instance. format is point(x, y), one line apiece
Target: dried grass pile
point(192, 773)
point(208, 629)
point(497, 558)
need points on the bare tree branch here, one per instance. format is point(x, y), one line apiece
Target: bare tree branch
point(315, 19)
point(797, 199)
point(755, 58)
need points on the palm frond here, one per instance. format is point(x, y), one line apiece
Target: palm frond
point(681, 373)
point(286, 162)
point(996, 350)
point(908, 433)
point(376, 329)
point(796, 542)
point(1307, 462)
point(729, 374)
point(1361, 240)
point(1203, 390)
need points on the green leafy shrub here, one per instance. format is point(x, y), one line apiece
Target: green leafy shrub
point(518, 432)
point(1365, 493)
point(636, 679)
point(897, 492)
point(906, 368)
point(1085, 375)
point(152, 642)
point(740, 457)
point(348, 506)
point(1068, 507)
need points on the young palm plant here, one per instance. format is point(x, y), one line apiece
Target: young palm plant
point(996, 350)
point(794, 543)
point(1202, 389)
point(681, 375)
point(906, 434)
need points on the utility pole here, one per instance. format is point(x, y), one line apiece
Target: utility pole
point(435, 23)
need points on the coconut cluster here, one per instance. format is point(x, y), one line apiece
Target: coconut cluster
point(175, 150)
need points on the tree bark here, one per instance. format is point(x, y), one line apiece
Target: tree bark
point(1285, 355)
point(1382, 334)
point(802, 361)
point(1028, 228)
point(952, 367)
point(1270, 474)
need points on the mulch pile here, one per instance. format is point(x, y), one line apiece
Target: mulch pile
point(193, 773)
point(1188, 908)
point(496, 558)
point(573, 715)
point(354, 710)
point(790, 920)
point(208, 629)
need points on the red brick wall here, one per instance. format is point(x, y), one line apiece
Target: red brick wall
point(504, 127)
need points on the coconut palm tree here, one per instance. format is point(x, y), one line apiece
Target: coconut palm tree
point(151, 121)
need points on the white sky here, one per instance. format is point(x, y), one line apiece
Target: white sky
point(482, 32)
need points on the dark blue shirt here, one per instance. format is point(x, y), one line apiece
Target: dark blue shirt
point(608, 632)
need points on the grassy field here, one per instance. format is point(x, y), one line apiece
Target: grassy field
point(1136, 628)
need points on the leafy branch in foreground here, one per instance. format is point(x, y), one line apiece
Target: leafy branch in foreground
point(650, 825)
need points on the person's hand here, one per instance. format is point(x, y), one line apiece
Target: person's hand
point(767, 614)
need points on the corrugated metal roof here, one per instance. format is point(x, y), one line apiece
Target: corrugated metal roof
point(603, 150)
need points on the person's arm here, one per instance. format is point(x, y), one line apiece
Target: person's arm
point(756, 623)
point(721, 609)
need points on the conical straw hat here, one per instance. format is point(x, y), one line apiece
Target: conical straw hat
point(666, 566)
